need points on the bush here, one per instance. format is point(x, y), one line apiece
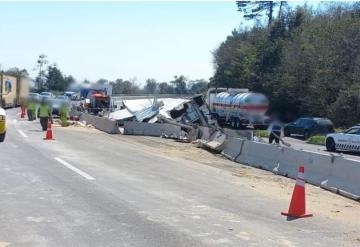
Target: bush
point(261, 133)
point(317, 140)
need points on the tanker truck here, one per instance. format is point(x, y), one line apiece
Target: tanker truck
point(239, 108)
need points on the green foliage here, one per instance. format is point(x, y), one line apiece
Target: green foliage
point(16, 72)
point(179, 84)
point(306, 62)
point(150, 86)
point(125, 87)
point(198, 86)
point(261, 133)
point(317, 140)
point(255, 9)
point(55, 80)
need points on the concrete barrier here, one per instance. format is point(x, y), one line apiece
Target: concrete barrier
point(206, 132)
point(331, 172)
point(232, 147)
point(260, 155)
point(344, 178)
point(317, 165)
point(244, 134)
point(151, 129)
point(101, 123)
point(216, 142)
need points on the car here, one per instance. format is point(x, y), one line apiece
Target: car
point(34, 95)
point(57, 102)
point(349, 140)
point(69, 94)
point(309, 126)
point(2, 124)
point(47, 94)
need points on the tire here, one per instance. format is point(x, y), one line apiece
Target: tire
point(330, 145)
point(306, 134)
point(2, 137)
point(286, 133)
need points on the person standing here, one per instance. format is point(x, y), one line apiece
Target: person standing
point(274, 130)
point(44, 114)
point(64, 113)
point(31, 109)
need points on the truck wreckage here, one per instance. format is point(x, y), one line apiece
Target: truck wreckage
point(180, 118)
point(186, 119)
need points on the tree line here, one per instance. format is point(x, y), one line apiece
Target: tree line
point(305, 60)
point(50, 77)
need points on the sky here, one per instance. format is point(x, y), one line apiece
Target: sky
point(112, 40)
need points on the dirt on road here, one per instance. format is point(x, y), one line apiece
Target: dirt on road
point(319, 201)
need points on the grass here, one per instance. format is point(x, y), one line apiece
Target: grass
point(261, 133)
point(316, 139)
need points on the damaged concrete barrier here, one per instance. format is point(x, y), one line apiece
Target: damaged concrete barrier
point(260, 155)
point(216, 142)
point(151, 129)
point(344, 178)
point(232, 147)
point(101, 123)
point(317, 165)
point(245, 134)
point(206, 132)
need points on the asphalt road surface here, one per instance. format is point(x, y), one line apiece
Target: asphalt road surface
point(88, 188)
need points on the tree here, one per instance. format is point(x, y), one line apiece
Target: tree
point(16, 72)
point(165, 88)
point(40, 79)
point(256, 9)
point(179, 84)
point(198, 86)
point(307, 62)
point(55, 79)
point(102, 81)
point(125, 87)
point(150, 86)
point(346, 109)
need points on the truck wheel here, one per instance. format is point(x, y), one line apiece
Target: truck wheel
point(330, 145)
point(2, 137)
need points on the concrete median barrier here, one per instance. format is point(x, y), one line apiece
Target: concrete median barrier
point(344, 178)
point(260, 155)
point(232, 147)
point(329, 171)
point(206, 132)
point(151, 129)
point(317, 165)
point(216, 141)
point(101, 123)
point(244, 134)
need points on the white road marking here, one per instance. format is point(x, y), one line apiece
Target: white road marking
point(22, 133)
point(73, 168)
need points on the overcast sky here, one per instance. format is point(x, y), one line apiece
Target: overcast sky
point(117, 39)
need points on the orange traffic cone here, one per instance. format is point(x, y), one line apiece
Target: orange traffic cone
point(297, 204)
point(49, 133)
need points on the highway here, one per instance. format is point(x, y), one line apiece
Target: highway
point(87, 188)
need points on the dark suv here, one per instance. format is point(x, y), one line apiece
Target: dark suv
point(309, 126)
